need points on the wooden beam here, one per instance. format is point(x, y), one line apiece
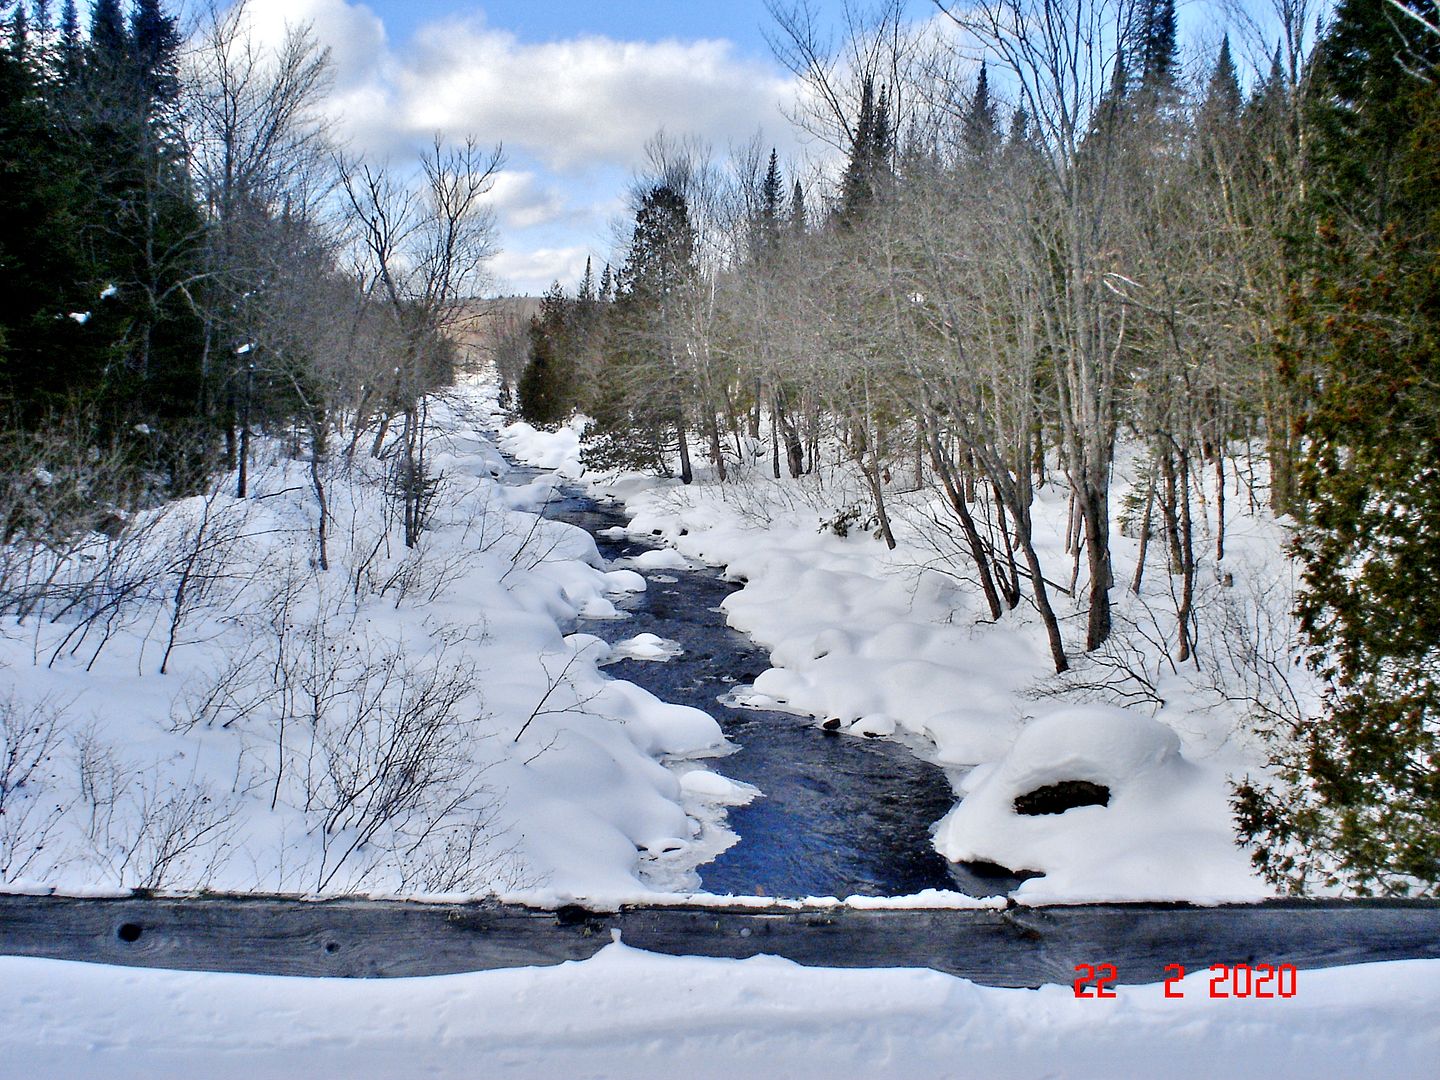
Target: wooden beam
point(1015, 947)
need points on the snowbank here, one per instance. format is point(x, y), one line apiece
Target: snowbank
point(632, 1015)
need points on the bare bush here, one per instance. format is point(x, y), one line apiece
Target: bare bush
point(30, 734)
point(396, 764)
point(146, 830)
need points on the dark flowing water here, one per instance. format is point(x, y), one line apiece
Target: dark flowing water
point(839, 815)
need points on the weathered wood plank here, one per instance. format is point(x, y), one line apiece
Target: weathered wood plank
point(1018, 947)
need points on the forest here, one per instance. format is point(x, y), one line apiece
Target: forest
point(1041, 244)
point(1095, 246)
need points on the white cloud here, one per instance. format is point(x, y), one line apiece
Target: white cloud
point(523, 201)
point(584, 101)
point(568, 104)
point(353, 33)
point(531, 272)
point(571, 113)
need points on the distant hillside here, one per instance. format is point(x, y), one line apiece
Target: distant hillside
point(491, 330)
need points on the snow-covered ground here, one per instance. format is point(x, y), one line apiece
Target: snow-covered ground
point(561, 782)
point(632, 1015)
point(200, 705)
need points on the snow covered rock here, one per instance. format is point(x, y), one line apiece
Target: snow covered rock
point(1156, 837)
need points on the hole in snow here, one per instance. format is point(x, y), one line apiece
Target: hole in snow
point(332, 946)
point(1066, 795)
point(129, 933)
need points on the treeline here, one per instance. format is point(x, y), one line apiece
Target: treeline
point(185, 260)
point(1088, 245)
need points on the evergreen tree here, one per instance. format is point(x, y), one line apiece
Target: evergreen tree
point(871, 152)
point(46, 357)
point(1158, 47)
point(772, 198)
point(980, 126)
point(109, 43)
point(546, 394)
point(1222, 93)
point(70, 45)
point(20, 33)
point(1357, 798)
point(638, 406)
point(607, 285)
point(586, 293)
point(799, 220)
point(155, 44)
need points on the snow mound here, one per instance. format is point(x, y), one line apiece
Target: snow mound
point(558, 450)
point(659, 559)
point(645, 647)
point(1158, 837)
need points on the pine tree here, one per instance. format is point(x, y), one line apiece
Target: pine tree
point(1357, 796)
point(586, 292)
point(1222, 93)
point(638, 406)
point(109, 44)
point(155, 46)
point(46, 358)
point(855, 185)
point(20, 34)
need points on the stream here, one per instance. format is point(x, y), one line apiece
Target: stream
point(839, 815)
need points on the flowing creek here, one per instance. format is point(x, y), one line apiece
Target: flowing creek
point(839, 815)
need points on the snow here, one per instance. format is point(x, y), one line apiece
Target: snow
point(546, 776)
point(573, 785)
point(717, 788)
point(630, 1014)
point(886, 644)
point(557, 450)
point(1157, 828)
point(646, 647)
point(81, 317)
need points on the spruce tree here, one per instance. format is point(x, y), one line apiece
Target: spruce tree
point(546, 394)
point(772, 198)
point(1222, 93)
point(638, 406)
point(586, 292)
point(1158, 46)
point(799, 219)
point(1355, 800)
point(46, 358)
point(857, 186)
point(979, 127)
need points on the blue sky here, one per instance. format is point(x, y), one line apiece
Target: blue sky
point(740, 21)
point(573, 89)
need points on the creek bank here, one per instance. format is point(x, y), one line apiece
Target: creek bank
point(835, 816)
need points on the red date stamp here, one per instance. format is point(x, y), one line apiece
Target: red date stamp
point(1249, 981)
